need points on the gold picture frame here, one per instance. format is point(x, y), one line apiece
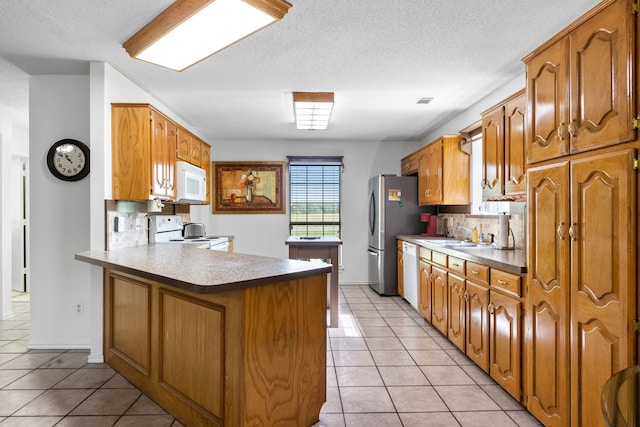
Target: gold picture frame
point(248, 187)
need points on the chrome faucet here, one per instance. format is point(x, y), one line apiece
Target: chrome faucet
point(465, 229)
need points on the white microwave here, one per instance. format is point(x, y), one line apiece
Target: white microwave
point(192, 183)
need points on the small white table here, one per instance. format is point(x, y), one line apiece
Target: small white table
point(326, 248)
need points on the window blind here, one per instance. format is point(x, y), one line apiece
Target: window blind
point(314, 196)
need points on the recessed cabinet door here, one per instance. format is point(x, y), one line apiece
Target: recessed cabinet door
point(492, 154)
point(547, 329)
point(602, 87)
point(162, 156)
point(477, 328)
point(456, 309)
point(603, 277)
point(515, 162)
point(504, 342)
point(425, 290)
point(439, 299)
point(548, 103)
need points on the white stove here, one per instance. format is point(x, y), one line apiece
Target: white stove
point(168, 229)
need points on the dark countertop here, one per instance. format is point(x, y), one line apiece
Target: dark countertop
point(509, 260)
point(199, 270)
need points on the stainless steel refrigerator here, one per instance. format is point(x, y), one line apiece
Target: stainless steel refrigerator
point(393, 210)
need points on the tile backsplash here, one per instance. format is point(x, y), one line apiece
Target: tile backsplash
point(486, 224)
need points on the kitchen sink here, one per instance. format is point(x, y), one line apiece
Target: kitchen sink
point(447, 243)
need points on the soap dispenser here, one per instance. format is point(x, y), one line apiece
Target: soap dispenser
point(474, 235)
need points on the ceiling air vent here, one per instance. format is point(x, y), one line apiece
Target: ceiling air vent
point(423, 101)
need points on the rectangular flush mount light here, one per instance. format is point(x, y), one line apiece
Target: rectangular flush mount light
point(312, 109)
point(191, 30)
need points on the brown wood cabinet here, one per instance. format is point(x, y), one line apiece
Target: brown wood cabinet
point(439, 302)
point(163, 156)
point(505, 341)
point(443, 174)
point(409, 165)
point(424, 297)
point(144, 152)
point(582, 288)
point(580, 86)
point(477, 327)
point(503, 150)
point(191, 148)
point(456, 331)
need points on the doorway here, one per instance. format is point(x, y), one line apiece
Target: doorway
point(19, 225)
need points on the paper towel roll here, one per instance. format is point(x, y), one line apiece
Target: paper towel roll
point(503, 232)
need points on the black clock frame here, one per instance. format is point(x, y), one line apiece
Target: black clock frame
point(51, 156)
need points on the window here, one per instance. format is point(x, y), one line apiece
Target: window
point(314, 196)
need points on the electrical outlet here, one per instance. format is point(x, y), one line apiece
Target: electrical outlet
point(78, 309)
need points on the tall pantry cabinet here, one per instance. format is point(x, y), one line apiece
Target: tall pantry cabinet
point(582, 185)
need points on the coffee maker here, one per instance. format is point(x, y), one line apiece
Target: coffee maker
point(431, 222)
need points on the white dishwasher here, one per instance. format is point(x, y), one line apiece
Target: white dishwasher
point(410, 276)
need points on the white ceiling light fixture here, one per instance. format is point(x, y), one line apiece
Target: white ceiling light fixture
point(312, 109)
point(190, 30)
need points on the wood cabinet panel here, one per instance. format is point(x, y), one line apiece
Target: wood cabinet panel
point(601, 83)
point(444, 173)
point(131, 152)
point(439, 305)
point(424, 303)
point(456, 265)
point(203, 382)
point(163, 160)
point(515, 159)
point(477, 318)
point(492, 154)
point(547, 323)
point(507, 282)
point(505, 342)
point(410, 164)
point(603, 275)
point(129, 322)
point(206, 165)
point(456, 311)
point(580, 90)
point(478, 273)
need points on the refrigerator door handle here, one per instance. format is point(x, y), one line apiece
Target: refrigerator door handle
point(372, 212)
point(373, 253)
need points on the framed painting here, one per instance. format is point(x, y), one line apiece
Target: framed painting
point(248, 187)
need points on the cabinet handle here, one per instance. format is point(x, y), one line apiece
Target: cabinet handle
point(466, 296)
point(560, 131)
point(572, 232)
point(475, 272)
point(560, 230)
point(502, 282)
point(490, 307)
point(570, 129)
point(455, 264)
point(483, 184)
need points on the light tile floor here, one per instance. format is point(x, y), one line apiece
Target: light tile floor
point(386, 366)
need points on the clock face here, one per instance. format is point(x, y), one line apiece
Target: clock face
point(68, 160)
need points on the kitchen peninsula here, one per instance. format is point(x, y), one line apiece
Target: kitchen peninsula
point(217, 338)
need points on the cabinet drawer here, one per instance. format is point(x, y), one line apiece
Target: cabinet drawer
point(456, 265)
point(477, 272)
point(439, 258)
point(506, 281)
point(425, 254)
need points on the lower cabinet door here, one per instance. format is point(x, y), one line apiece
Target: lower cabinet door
point(505, 342)
point(439, 299)
point(424, 297)
point(456, 309)
point(477, 316)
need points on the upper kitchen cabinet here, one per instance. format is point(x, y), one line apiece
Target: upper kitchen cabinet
point(580, 88)
point(191, 148)
point(443, 173)
point(503, 150)
point(144, 149)
point(143, 153)
point(409, 165)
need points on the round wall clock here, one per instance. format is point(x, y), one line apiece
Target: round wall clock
point(68, 160)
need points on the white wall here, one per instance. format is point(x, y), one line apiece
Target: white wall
point(59, 212)
point(265, 234)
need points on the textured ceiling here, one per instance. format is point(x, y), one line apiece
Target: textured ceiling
point(378, 56)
